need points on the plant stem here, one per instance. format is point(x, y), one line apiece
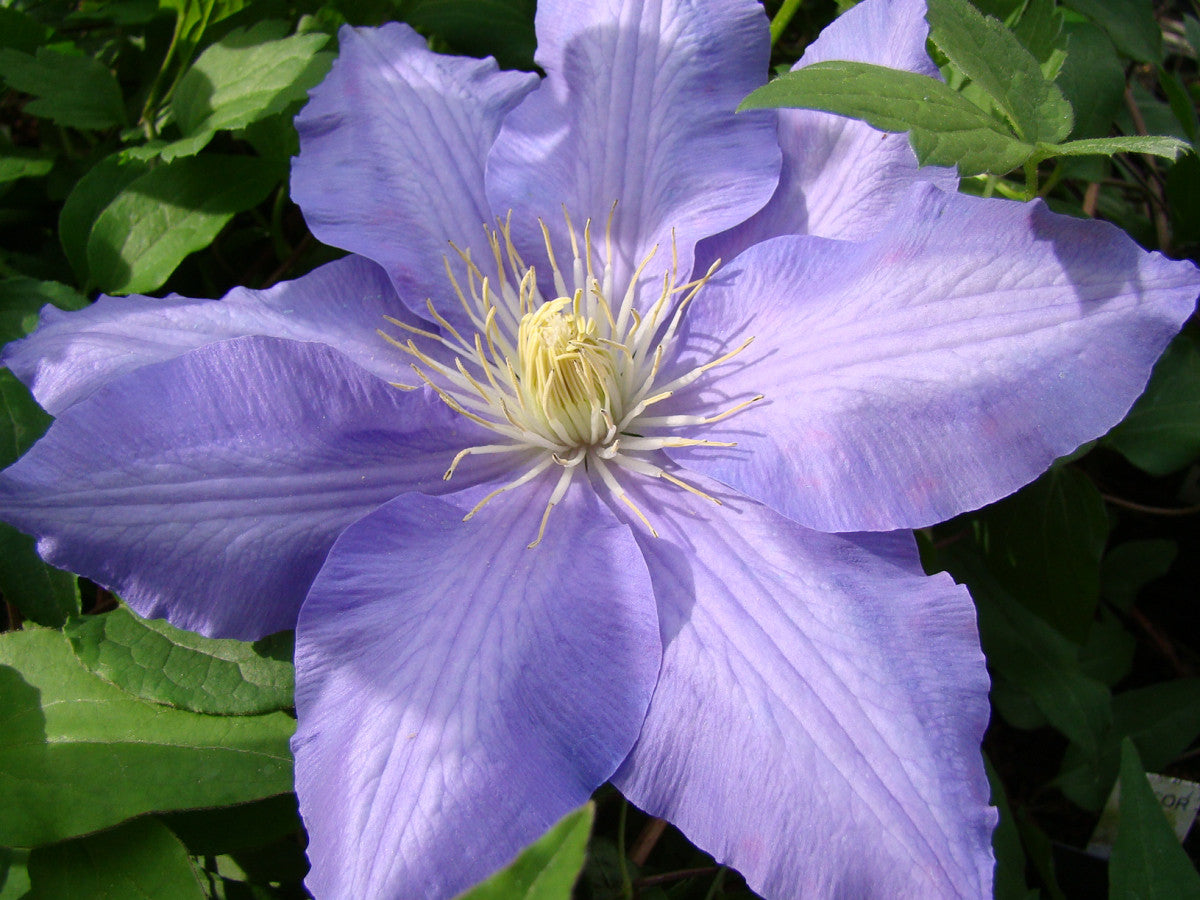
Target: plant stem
point(782, 18)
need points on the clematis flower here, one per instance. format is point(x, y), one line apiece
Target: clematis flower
point(594, 461)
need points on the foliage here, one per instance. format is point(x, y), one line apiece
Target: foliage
point(144, 147)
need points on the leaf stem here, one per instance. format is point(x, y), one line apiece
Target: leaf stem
point(782, 18)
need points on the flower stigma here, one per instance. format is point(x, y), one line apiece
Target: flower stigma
point(566, 381)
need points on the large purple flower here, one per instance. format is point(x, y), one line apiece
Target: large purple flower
point(552, 498)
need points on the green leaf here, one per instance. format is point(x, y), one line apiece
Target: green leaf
point(1156, 145)
point(78, 754)
point(1130, 24)
point(1162, 720)
point(140, 860)
point(226, 829)
point(548, 868)
point(1041, 30)
point(500, 28)
point(1006, 842)
point(14, 874)
point(1162, 431)
point(1044, 545)
point(91, 194)
point(1180, 102)
point(994, 59)
point(1108, 654)
point(155, 661)
point(21, 299)
point(947, 128)
point(1183, 198)
point(246, 77)
point(1093, 79)
point(41, 592)
point(23, 162)
point(21, 31)
point(1147, 862)
point(77, 91)
point(1130, 566)
point(171, 211)
point(1033, 657)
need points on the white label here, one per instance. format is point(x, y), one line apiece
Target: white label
point(1178, 799)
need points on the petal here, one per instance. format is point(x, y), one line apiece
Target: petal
point(392, 148)
point(457, 692)
point(637, 108)
point(934, 369)
point(208, 488)
point(74, 353)
point(841, 178)
point(818, 717)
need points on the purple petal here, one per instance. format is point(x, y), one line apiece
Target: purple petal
point(819, 712)
point(638, 108)
point(208, 488)
point(340, 304)
point(934, 369)
point(457, 692)
point(392, 147)
point(841, 178)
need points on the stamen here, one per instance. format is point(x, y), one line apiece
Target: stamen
point(560, 489)
point(564, 380)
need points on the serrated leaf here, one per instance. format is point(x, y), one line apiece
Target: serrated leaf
point(1041, 30)
point(72, 90)
point(92, 193)
point(1162, 431)
point(78, 754)
point(1155, 145)
point(155, 661)
point(1130, 24)
point(548, 868)
point(994, 59)
point(246, 77)
point(947, 129)
point(1147, 862)
point(140, 860)
point(170, 212)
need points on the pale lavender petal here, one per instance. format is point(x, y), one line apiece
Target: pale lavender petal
point(818, 715)
point(392, 149)
point(208, 488)
point(341, 304)
point(458, 692)
point(841, 178)
point(637, 108)
point(934, 369)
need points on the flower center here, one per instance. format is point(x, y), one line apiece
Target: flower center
point(568, 372)
point(569, 381)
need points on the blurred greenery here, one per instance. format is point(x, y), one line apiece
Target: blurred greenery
point(144, 147)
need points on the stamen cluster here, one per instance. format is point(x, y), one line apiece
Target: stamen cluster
point(567, 381)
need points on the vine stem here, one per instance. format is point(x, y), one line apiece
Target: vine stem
point(782, 18)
